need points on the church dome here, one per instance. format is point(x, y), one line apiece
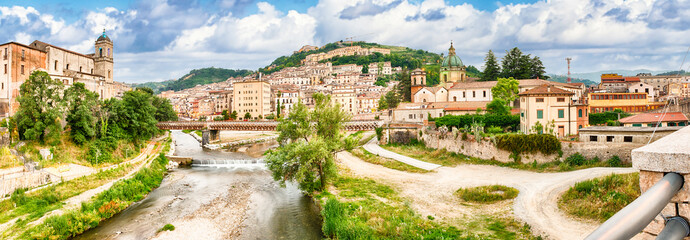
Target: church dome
point(103, 37)
point(452, 60)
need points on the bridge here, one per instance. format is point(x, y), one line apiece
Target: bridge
point(210, 129)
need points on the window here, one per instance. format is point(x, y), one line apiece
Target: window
point(579, 113)
point(67, 67)
point(609, 138)
point(540, 114)
point(484, 93)
point(5, 68)
point(579, 127)
point(637, 125)
point(560, 99)
point(464, 95)
point(100, 52)
point(540, 99)
point(474, 94)
point(561, 113)
point(522, 114)
point(627, 139)
point(55, 65)
point(23, 55)
point(455, 99)
point(108, 73)
point(79, 69)
point(593, 139)
point(22, 70)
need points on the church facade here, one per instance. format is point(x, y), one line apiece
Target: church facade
point(94, 70)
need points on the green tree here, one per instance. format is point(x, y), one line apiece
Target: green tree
point(308, 143)
point(516, 65)
point(392, 100)
point(82, 104)
point(164, 110)
point(233, 115)
point(383, 104)
point(537, 68)
point(226, 115)
point(491, 68)
point(139, 115)
point(247, 116)
point(405, 85)
point(365, 68)
point(498, 106)
point(278, 108)
point(41, 106)
point(506, 89)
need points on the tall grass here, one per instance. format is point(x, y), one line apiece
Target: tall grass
point(487, 194)
point(365, 155)
point(600, 198)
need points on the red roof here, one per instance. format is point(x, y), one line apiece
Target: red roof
point(654, 117)
point(546, 89)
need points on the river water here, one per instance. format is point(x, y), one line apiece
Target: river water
point(228, 201)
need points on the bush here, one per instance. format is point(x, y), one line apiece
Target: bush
point(487, 194)
point(167, 227)
point(521, 143)
point(601, 198)
point(615, 161)
point(510, 122)
point(379, 133)
point(603, 118)
point(464, 136)
point(494, 130)
point(576, 160)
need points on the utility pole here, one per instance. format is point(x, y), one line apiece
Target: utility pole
point(568, 60)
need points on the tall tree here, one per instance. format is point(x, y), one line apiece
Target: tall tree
point(164, 110)
point(139, 115)
point(382, 102)
point(392, 100)
point(515, 64)
point(491, 68)
point(506, 89)
point(81, 119)
point(537, 68)
point(308, 143)
point(40, 108)
point(405, 86)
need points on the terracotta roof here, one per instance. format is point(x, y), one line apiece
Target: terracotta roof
point(466, 85)
point(654, 117)
point(546, 89)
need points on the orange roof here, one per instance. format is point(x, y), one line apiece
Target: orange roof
point(546, 89)
point(654, 117)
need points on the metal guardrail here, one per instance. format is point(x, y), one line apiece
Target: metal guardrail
point(632, 219)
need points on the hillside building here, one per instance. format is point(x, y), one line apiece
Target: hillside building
point(552, 108)
point(253, 97)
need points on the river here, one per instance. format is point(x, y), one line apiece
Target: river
point(229, 201)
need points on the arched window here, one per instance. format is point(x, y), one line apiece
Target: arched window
point(108, 73)
point(108, 52)
point(100, 52)
point(455, 99)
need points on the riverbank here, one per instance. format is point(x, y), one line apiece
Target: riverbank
point(104, 205)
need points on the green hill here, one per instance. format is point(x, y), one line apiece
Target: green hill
point(399, 57)
point(195, 77)
point(562, 79)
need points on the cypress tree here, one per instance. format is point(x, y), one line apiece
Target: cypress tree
point(491, 68)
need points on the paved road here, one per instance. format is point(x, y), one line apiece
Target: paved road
point(536, 204)
point(374, 148)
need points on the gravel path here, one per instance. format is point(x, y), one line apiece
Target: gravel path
point(374, 148)
point(432, 193)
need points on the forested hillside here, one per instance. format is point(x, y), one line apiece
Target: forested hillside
point(196, 77)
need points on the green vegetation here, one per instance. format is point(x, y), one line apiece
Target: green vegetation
point(386, 162)
point(7, 159)
point(491, 68)
point(451, 159)
point(307, 151)
point(514, 64)
point(103, 206)
point(599, 199)
point(528, 143)
point(487, 194)
point(365, 209)
point(506, 122)
point(167, 227)
point(563, 79)
point(195, 77)
point(32, 206)
point(607, 117)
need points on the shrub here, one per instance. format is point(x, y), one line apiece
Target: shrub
point(464, 136)
point(575, 160)
point(487, 194)
point(521, 143)
point(510, 122)
point(614, 161)
point(494, 130)
point(167, 227)
point(601, 198)
point(379, 133)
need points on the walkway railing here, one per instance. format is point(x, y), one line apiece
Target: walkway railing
point(632, 219)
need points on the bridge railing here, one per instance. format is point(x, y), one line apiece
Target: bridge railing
point(258, 125)
point(663, 208)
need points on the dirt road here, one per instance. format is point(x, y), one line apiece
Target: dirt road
point(432, 193)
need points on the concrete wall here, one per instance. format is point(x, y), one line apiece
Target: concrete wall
point(669, 154)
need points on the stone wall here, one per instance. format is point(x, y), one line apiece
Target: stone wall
point(669, 154)
point(486, 148)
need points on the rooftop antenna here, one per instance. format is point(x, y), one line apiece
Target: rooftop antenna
point(568, 60)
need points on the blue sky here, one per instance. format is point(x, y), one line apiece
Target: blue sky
point(163, 39)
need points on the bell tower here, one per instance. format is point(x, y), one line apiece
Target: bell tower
point(417, 80)
point(103, 58)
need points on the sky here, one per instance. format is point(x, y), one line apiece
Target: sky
point(157, 40)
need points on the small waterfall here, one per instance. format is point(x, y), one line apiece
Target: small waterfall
point(227, 162)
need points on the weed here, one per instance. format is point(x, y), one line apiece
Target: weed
point(601, 198)
point(487, 194)
point(167, 227)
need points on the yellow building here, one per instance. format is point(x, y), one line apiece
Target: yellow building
point(253, 97)
point(628, 102)
point(552, 108)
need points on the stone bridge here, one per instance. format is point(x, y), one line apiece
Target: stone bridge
point(210, 129)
